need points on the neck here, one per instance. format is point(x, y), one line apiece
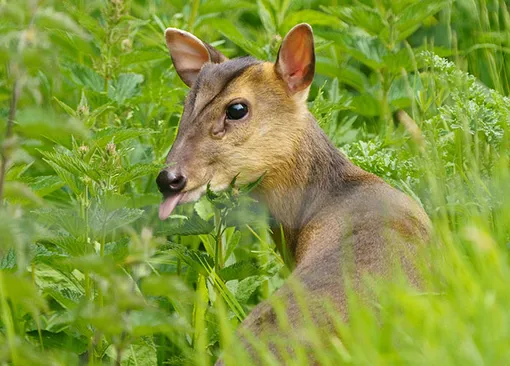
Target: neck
point(304, 184)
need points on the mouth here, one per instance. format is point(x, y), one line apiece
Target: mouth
point(170, 202)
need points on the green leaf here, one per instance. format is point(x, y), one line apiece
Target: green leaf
point(247, 287)
point(192, 226)
point(73, 245)
point(64, 219)
point(362, 16)
point(312, 17)
point(229, 30)
point(117, 250)
point(21, 291)
point(166, 285)
point(48, 18)
point(266, 17)
point(104, 222)
point(116, 135)
point(137, 171)
point(198, 260)
point(240, 270)
point(86, 77)
point(8, 260)
point(70, 111)
point(366, 49)
point(60, 340)
point(71, 163)
point(204, 209)
point(346, 74)
point(232, 244)
point(125, 87)
point(140, 353)
point(65, 288)
point(16, 192)
point(149, 321)
point(413, 16)
point(45, 184)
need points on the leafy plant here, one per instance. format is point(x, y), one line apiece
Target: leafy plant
point(90, 105)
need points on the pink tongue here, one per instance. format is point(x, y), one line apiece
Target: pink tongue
point(168, 205)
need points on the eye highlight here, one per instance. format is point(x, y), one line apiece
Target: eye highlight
point(236, 111)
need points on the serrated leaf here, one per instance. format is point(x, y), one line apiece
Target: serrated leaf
point(71, 163)
point(64, 219)
point(72, 245)
point(232, 244)
point(413, 16)
point(117, 250)
point(239, 270)
point(86, 77)
point(247, 287)
point(70, 179)
point(104, 222)
point(361, 15)
point(70, 111)
point(204, 209)
point(45, 184)
point(125, 87)
point(137, 171)
point(8, 260)
point(117, 135)
point(142, 353)
point(366, 49)
point(312, 17)
point(60, 340)
point(229, 30)
point(198, 260)
point(63, 287)
point(193, 226)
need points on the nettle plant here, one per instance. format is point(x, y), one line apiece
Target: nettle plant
point(91, 107)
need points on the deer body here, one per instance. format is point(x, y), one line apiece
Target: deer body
point(248, 118)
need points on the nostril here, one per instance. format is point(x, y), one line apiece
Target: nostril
point(170, 182)
point(177, 182)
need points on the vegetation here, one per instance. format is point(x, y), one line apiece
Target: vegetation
point(414, 91)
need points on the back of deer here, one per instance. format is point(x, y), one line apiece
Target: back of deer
point(247, 118)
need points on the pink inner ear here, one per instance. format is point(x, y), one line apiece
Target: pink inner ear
point(296, 59)
point(188, 53)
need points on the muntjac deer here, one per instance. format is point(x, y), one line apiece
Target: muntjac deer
point(247, 118)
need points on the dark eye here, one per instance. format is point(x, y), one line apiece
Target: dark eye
point(237, 111)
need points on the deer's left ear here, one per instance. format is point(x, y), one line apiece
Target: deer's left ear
point(296, 58)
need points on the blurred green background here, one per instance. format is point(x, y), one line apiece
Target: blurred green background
point(414, 91)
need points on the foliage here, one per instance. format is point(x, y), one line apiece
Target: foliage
point(414, 91)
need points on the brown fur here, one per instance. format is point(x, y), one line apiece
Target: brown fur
point(338, 220)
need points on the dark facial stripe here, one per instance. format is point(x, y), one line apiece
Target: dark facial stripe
point(213, 79)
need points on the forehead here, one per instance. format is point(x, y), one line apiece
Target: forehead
point(214, 78)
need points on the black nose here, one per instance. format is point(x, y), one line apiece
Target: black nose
point(170, 182)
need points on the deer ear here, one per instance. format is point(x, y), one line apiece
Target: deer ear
point(189, 54)
point(296, 58)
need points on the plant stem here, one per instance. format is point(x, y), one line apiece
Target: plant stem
point(7, 320)
point(218, 257)
point(8, 134)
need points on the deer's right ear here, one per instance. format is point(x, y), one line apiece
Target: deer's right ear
point(189, 54)
point(296, 59)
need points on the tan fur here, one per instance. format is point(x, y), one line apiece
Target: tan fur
point(340, 222)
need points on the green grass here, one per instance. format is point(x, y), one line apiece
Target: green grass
point(89, 108)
